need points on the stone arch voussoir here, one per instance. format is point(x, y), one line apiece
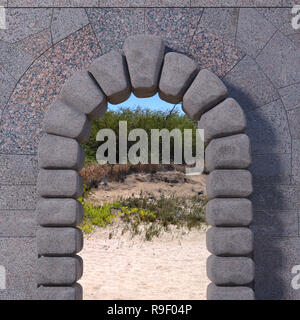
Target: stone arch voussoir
point(145, 69)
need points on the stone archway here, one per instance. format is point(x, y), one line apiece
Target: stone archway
point(145, 69)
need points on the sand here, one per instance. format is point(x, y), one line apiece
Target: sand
point(169, 267)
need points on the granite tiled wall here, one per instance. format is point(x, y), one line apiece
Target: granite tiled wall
point(254, 50)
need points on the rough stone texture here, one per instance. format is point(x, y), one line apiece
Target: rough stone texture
point(7, 85)
point(230, 271)
point(17, 169)
point(177, 74)
point(206, 91)
point(60, 293)
point(268, 129)
point(270, 169)
point(249, 85)
point(59, 184)
point(229, 212)
point(18, 223)
point(113, 25)
point(253, 31)
point(63, 120)
point(66, 21)
point(229, 183)
point(229, 241)
point(275, 223)
point(227, 118)
point(59, 241)
point(59, 270)
point(81, 92)
point(296, 161)
point(14, 60)
point(18, 256)
point(231, 152)
point(290, 96)
point(15, 197)
point(220, 21)
point(22, 23)
point(59, 212)
point(57, 152)
point(144, 55)
point(110, 71)
point(229, 293)
point(279, 61)
point(294, 122)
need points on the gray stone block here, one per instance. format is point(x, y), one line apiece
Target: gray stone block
point(229, 241)
point(83, 93)
point(231, 152)
point(227, 118)
point(144, 55)
point(229, 212)
point(230, 271)
point(15, 197)
point(59, 270)
point(59, 184)
point(59, 241)
point(111, 73)
point(229, 293)
point(18, 223)
point(18, 169)
point(63, 120)
point(60, 293)
point(177, 74)
point(59, 212)
point(206, 91)
point(57, 152)
point(229, 184)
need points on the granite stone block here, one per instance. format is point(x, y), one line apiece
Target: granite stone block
point(57, 152)
point(230, 271)
point(229, 242)
point(231, 152)
point(144, 56)
point(62, 120)
point(111, 73)
point(229, 184)
point(206, 91)
point(296, 161)
point(59, 270)
point(59, 184)
point(60, 293)
point(227, 118)
point(290, 96)
point(177, 74)
point(59, 241)
point(229, 212)
point(82, 93)
point(229, 293)
point(59, 212)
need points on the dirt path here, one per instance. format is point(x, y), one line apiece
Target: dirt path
point(169, 267)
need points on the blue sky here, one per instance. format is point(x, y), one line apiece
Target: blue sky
point(153, 103)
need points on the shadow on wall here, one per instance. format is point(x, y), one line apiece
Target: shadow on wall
point(269, 262)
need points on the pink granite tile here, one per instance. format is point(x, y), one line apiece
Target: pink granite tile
point(214, 53)
point(36, 44)
point(21, 124)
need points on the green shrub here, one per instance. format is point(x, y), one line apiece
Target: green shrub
point(138, 118)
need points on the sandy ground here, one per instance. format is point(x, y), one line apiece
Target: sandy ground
point(169, 267)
